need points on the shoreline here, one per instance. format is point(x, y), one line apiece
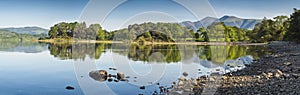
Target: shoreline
point(275, 73)
point(154, 43)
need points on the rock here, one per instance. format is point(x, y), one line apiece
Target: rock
point(202, 84)
point(212, 79)
point(115, 76)
point(295, 75)
point(116, 80)
point(99, 75)
point(287, 63)
point(123, 80)
point(278, 74)
point(286, 75)
point(180, 83)
point(260, 81)
point(109, 79)
point(142, 87)
point(109, 75)
point(120, 75)
point(174, 82)
point(224, 78)
point(187, 90)
point(194, 83)
point(70, 88)
point(112, 68)
point(269, 75)
point(257, 77)
point(185, 74)
point(182, 79)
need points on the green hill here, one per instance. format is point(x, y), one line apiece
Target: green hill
point(28, 30)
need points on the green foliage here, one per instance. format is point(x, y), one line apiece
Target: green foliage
point(293, 33)
point(218, 32)
point(153, 36)
point(270, 30)
point(173, 30)
point(277, 29)
point(78, 31)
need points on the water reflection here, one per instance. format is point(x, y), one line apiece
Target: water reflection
point(167, 62)
point(26, 47)
point(66, 51)
point(135, 61)
point(171, 53)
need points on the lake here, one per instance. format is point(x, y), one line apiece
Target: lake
point(40, 68)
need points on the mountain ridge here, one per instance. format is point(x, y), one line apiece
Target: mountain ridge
point(228, 20)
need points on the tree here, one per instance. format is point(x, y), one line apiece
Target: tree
point(293, 33)
point(101, 34)
point(53, 32)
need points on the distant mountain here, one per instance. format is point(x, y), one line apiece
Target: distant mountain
point(28, 30)
point(196, 25)
point(228, 20)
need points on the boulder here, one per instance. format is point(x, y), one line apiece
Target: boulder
point(98, 75)
point(120, 75)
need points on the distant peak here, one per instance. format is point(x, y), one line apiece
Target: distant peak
point(226, 17)
point(210, 17)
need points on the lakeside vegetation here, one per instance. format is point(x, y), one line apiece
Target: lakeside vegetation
point(280, 28)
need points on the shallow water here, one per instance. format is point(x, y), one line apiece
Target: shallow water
point(39, 69)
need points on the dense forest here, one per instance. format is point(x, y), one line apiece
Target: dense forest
point(277, 29)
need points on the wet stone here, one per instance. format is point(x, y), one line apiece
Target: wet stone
point(112, 69)
point(142, 87)
point(120, 75)
point(70, 88)
point(185, 74)
point(99, 75)
point(109, 79)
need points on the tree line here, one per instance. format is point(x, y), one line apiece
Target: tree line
point(280, 28)
point(277, 29)
point(79, 31)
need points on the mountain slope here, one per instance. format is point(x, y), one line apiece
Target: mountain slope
point(239, 22)
point(228, 20)
point(27, 30)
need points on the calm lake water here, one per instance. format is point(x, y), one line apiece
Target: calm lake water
point(47, 69)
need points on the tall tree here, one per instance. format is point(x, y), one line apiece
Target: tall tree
point(293, 33)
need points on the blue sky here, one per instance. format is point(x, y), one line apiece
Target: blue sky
point(45, 13)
